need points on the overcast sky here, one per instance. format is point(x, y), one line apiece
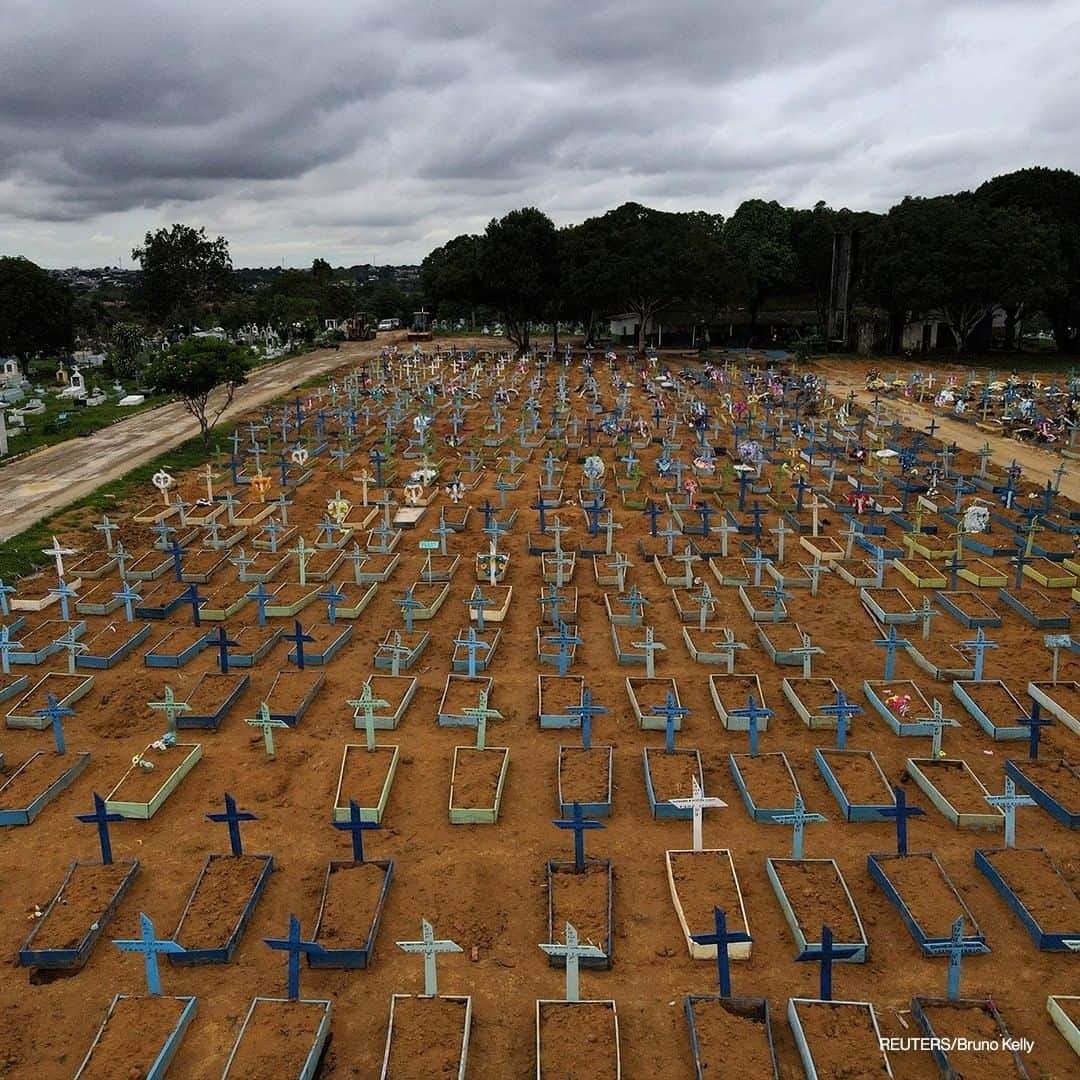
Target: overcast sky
point(374, 130)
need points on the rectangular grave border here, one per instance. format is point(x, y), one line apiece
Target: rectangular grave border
point(462, 1061)
point(1045, 940)
point(24, 815)
point(143, 811)
point(805, 1052)
point(171, 1045)
point(311, 1063)
point(221, 954)
point(875, 864)
point(1068, 817)
point(351, 958)
point(941, 1057)
point(861, 947)
point(76, 957)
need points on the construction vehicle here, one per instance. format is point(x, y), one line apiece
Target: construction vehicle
point(421, 327)
point(361, 327)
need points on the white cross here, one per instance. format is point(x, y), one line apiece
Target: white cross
point(58, 553)
point(698, 802)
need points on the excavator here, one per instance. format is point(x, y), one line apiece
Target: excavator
point(421, 327)
point(361, 327)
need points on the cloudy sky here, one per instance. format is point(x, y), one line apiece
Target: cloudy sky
point(374, 130)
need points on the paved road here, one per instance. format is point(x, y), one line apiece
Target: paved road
point(48, 481)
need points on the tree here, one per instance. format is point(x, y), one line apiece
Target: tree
point(1053, 197)
point(812, 242)
point(956, 257)
point(36, 310)
point(182, 271)
point(451, 273)
point(519, 270)
point(637, 259)
point(194, 369)
point(757, 238)
point(124, 349)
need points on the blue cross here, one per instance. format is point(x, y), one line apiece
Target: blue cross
point(472, 645)
point(1034, 723)
point(299, 638)
point(799, 817)
point(128, 595)
point(101, 817)
point(671, 711)
point(261, 596)
point(408, 605)
point(752, 713)
point(65, 594)
point(149, 947)
point(706, 512)
point(232, 817)
point(652, 512)
point(177, 552)
point(978, 647)
point(901, 812)
point(333, 597)
point(192, 597)
point(956, 947)
point(542, 507)
point(722, 937)
point(55, 714)
point(827, 952)
point(844, 711)
point(478, 601)
point(580, 825)
point(891, 643)
point(357, 827)
point(5, 592)
point(1020, 560)
point(635, 602)
point(222, 642)
point(564, 639)
point(585, 712)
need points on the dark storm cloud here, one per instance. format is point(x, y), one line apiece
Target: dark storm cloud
point(373, 131)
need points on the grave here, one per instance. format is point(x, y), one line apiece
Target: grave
point(152, 777)
point(143, 1032)
point(701, 881)
point(956, 792)
point(30, 786)
point(766, 784)
point(77, 915)
point(223, 898)
point(1037, 891)
point(29, 709)
point(432, 1030)
point(812, 894)
point(1054, 785)
point(366, 777)
point(918, 886)
point(292, 693)
point(993, 706)
point(829, 1035)
point(352, 887)
point(857, 783)
point(211, 697)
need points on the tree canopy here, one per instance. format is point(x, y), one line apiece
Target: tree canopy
point(182, 270)
point(194, 369)
point(36, 310)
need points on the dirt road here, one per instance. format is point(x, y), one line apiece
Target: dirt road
point(52, 479)
point(1039, 465)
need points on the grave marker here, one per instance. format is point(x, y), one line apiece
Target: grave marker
point(430, 948)
point(697, 804)
point(150, 947)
